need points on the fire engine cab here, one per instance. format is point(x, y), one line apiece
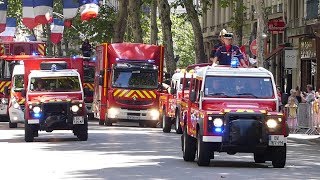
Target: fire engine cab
point(170, 108)
point(54, 97)
point(233, 110)
point(127, 81)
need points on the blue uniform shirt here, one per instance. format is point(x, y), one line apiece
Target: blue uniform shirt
point(214, 49)
point(224, 56)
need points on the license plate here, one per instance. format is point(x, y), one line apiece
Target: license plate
point(133, 117)
point(277, 140)
point(78, 120)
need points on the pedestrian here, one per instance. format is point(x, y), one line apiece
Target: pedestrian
point(216, 46)
point(291, 110)
point(308, 97)
point(227, 51)
point(86, 48)
point(298, 94)
point(279, 99)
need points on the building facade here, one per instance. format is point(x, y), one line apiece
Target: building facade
point(292, 46)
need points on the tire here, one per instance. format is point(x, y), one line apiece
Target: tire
point(107, 121)
point(203, 152)
point(152, 124)
point(81, 131)
point(101, 123)
point(13, 125)
point(279, 155)
point(28, 132)
point(189, 147)
point(166, 123)
point(177, 123)
point(259, 158)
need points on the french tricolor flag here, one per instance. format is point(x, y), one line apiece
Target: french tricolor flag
point(57, 28)
point(43, 11)
point(28, 14)
point(70, 9)
point(88, 9)
point(3, 15)
point(10, 30)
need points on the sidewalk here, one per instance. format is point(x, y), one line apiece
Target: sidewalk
point(305, 137)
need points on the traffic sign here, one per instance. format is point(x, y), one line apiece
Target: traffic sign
point(253, 47)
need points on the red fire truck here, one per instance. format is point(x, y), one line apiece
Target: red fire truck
point(127, 82)
point(170, 109)
point(233, 110)
point(12, 53)
point(54, 97)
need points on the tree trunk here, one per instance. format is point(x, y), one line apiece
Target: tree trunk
point(154, 27)
point(239, 22)
point(134, 16)
point(262, 19)
point(59, 49)
point(121, 21)
point(198, 37)
point(49, 43)
point(164, 14)
point(66, 47)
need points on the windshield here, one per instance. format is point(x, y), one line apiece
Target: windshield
point(55, 84)
point(18, 82)
point(88, 74)
point(239, 87)
point(135, 79)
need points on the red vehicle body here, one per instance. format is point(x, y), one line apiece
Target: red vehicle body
point(12, 53)
point(54, 97)
point(170, 103)
point(233, 110)
point(126, 83)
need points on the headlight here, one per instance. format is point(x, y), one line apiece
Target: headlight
point(154, 114)
point(74, 108)
point(272, 123)
point(36, 110)
point(218, 122)
point(113, 112)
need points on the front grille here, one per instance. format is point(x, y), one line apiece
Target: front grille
point(244, 129)
point(133, 102)
point(133, 114)
point(55, 110)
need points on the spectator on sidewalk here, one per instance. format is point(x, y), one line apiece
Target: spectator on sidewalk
point(279, 99)
point(291, 110)
point(308, 97)
point(298, 94)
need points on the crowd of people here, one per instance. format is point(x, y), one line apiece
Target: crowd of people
point(297, 96)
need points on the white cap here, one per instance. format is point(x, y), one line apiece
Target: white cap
point(223, 32)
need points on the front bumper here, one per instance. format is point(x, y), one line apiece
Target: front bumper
point(16, 115)
point(134, 115)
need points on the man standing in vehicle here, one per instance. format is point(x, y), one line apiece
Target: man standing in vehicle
point(218, 45)
point(225, 52)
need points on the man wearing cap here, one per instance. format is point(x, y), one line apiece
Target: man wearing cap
point(220, 43)
point(225, 52)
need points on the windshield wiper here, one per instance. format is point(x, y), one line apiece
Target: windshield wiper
point(218, 94)
point(247, 94)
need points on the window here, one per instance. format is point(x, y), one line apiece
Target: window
point(135, 79)
point(55, 84)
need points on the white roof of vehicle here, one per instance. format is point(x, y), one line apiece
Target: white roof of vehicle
point(49, 73)
point(228, 71)
point(18, 69)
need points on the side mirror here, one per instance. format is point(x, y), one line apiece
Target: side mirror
point(173, 91)
point(23, 93)
point(193, 96)
point(101, 80)
point(6, 91)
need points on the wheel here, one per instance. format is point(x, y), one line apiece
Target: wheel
point(166, 123)
point(107, 121)
point(101, 123)
point(203, 152)
point(81, 131)
point(28, 132)
point(259, 158)
point(13, 125)
point(152, 124)
point(189, 147)
point(279, 156)
point(178, 126)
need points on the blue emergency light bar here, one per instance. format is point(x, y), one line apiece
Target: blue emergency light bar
point(234, 62)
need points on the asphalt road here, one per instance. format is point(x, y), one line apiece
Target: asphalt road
point(136, 153)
